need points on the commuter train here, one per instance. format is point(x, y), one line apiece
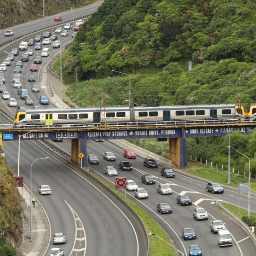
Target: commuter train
point(57, 117)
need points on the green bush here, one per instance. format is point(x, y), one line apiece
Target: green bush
point(250, 222)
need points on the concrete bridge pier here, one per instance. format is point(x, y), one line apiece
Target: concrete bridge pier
point(79, 146)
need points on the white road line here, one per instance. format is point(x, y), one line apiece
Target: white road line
point(243, 239)
point(185, 192)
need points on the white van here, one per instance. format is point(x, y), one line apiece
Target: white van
point(45, 52)
point(224, 238)
point(23, 46)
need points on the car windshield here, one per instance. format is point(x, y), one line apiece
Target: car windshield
point(93, 157)
point(111, 168)
point(165, 186)
point(130, 152)
point(217, 223)
point(126, 164)
point(131, 183)
point(54, 250)
point(6, 92)
point(216, 185)
point(184, 197)
point(12, 100)
point(45, 187)
point(148, 177)
point(200, 210)
point(188, 230)
point(59, 235)
point(142, 190)
point(43, 98)
point(151, 160)
point(195, 247)
point(109, 154)
point(225, 236)
point(165, 206)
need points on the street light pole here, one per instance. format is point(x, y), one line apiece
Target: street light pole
point(31, 227)
point(43, 8)
point(60, 75)
point(228, 154)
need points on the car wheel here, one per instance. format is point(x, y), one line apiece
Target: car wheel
point(207, 189)
point(212, 191)
point(222, 192)
point(165, 176)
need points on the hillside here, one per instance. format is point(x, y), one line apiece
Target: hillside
point(13, 12)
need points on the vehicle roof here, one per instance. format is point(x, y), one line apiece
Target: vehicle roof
point(129, 181)
point(223, 232)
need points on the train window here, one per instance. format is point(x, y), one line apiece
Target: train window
point(155, 113)
point(143, 113)
point(226, 111)
point(179, 113)
point(200, 112)
point(120, 114)
point(35, 116)
point(72, 116)
point(190, 112)
point(83, 116)
point(21, 117)
point(62, 116)
point(253, 110)
point(112, 114)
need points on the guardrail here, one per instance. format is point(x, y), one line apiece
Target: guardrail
point(241, 223)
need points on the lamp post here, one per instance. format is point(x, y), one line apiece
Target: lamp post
point(152, 234)
point(129, 84)
point(228, 154)
point(31, 227)
point(60, 75)
point(249, 181)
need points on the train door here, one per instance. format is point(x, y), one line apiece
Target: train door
point(166, 115)
point(213, 113)
point(96, 117)
point(48, 119)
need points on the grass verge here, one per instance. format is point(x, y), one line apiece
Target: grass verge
point(157, 246)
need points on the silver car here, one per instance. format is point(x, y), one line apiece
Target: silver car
point(12, 102)
point(10, 57)
point(30, 52)
point(29, 101)
point(35, 88)
point(141, 193)
point(64, 33)
point(67, 26)
point(164, 189)
point(131, 185)
point(109, 156)
point(17, 83)
point(217, 225)
point(59, 238)
point(110, 171)
point(6, 95)
point(58, 30)
point(56, 252)
point(7, 62)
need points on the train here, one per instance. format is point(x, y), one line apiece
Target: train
point(95, 115)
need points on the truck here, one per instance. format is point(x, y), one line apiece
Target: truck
point(23, 46)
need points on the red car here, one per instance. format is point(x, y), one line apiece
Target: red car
point(33, 67)
point(53, 37)
point(31, 42)
point(76, 27)
point(2, 79)
point(129, 154)
point(58, 19)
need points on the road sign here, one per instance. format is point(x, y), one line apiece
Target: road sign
point(81, 155)
point(19, 181)
point(243, 188)
point(7, 136)
point(120, 182)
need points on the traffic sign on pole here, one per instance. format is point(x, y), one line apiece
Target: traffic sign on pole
point(120, 182)
point(19, 181)
point(81, 155)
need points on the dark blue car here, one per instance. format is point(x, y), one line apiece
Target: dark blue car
point(44, 100)
point(195, 249)
point(167, 173)
point(188, 233)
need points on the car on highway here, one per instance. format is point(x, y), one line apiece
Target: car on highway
point(224, 238)
point(15, 51)
point(17, 69)
point(36, 107)
point(110, 171)
point(214, 187)
point(141, 193)
point(10, 56)
point(19, 63)
point(43, 100)
point(217, 225)
point(2, 79)
point(58, 30)
point(188, 233)
point(164, 189)
point(21, 108)
point(38, 60)
point(35, 88)
point(150, 162)
point(23, 93)
point(30, 52)
point(47, 35)
point(59, 238)
point(17, 84)
point(9, 33)
point(125, 166)
point(67, 26)
point(56, 44)
point(6, 95)
point(64, 33)
point(45, 190)
point(16, 76)
point(38, 38)
point(58, 18)
point(46, 41)
point(147, 179)
point(38, 46)
point(31, 78)
point(92, 159)
point(109, 156)
point(128, 153)
point(29, 101)
point(56, 252)
point(53, 37)
point(164, 208)
point(195, 249)
point(33, 67)
point(12, 102)
point(31, 42)
point(76, 27)
point(2, 88)
point(2, 67)
point(200, 213)
point(131, 185)
point(7, 62)
point(45, 52)
point(24, 57)
point(184, 200)
point(167, 173)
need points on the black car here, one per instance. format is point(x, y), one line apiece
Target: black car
point(148, 179)
point(15, 51)
point(31, 78)
point(183, 200)
point(92, 159)
point(19, 63)
point(167, 173)
point(125, 166)
point(150, 162)
point(25, 57)
point(2, 88)
point(188, 233)
point(38, 60)
point(47, 35)
point(21, 108)
point(164, 208)
point(38, 38)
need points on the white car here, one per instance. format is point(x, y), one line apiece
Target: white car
point(56, 44)
point(2, 66)
point(9, 33)
point(164, 189)
point(45, 190)
point(64, 33)
point(67, 26)
point(59, 238)
point(46, 41)
point(12, 102)
point(131, 185)
point(17, 84)
point(58, 30)
point(6, 95)
point(7, 62)
point(200, 214)
point(141, 193)
point(30, 52)
point(110, 171)
point(56, 252)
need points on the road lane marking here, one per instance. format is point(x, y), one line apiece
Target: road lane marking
point(243, 239)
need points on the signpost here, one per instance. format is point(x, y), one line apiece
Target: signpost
point(81, 155)
point(121, 183)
